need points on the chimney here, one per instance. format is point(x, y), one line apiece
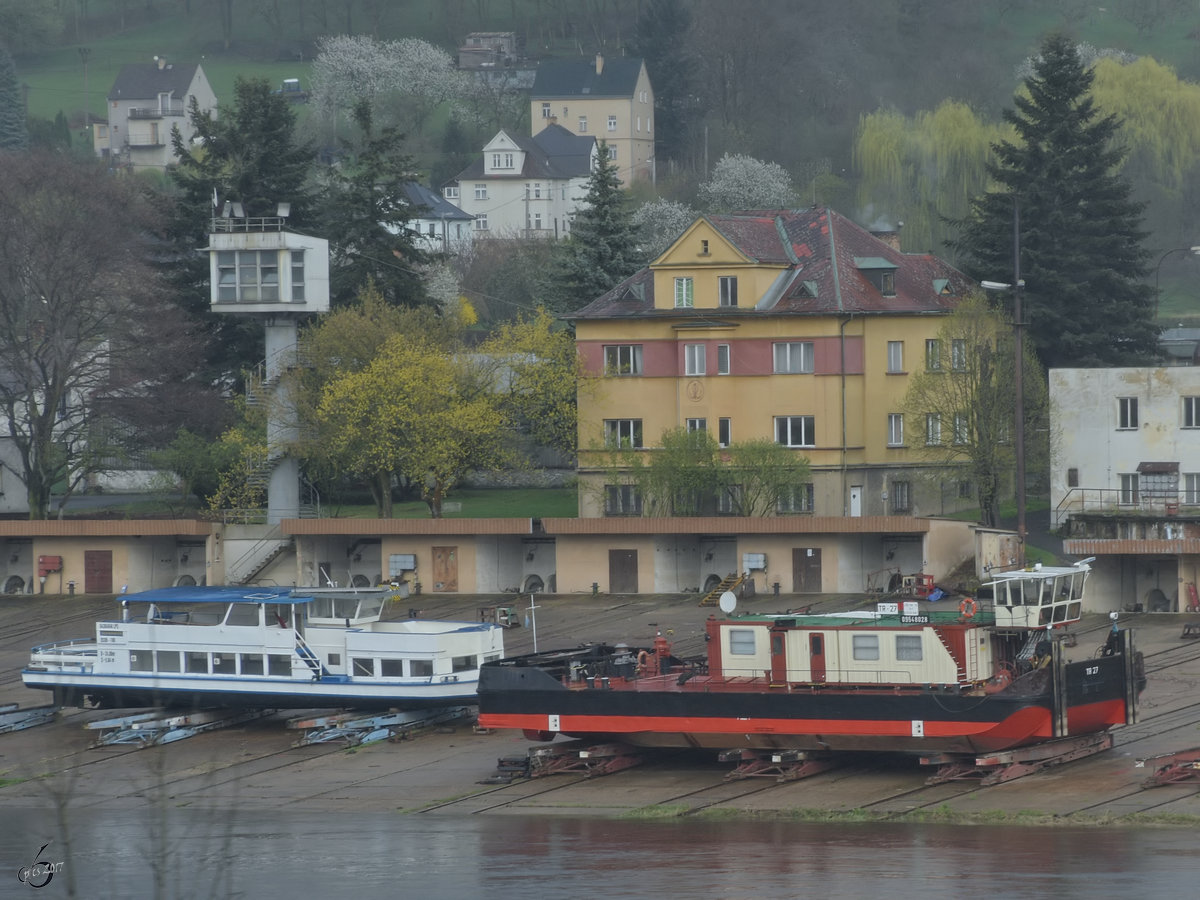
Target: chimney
point(891, 238)
point(599, 63)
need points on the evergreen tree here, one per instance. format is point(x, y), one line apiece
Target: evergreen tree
point(603, 247)
point(1081, 248)
point(13, 132)
point(663, 41)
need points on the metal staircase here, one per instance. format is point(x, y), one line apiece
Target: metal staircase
point(728, 583)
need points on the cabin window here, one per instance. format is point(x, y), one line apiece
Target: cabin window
point(391, 668)
point(421, 668)
point(335, 659)
point(166, 660)
point(492, 657)
point(865, 646)
point(741, 642)
point(224, 663)
point(242, 614)
point(363, 666)
point(141, 661)
point(908, 647)
point(252, 663)
point(464, 663)
point(197, 662)
point(279, 664)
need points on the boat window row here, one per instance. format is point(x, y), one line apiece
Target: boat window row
point(196, 662)
point(1040, 591)
point(908, 647)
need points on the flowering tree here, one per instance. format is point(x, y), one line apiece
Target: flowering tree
point(743, 182)
point(661, 222)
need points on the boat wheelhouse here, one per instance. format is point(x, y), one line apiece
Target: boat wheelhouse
point(908, 676)
point(266, 648)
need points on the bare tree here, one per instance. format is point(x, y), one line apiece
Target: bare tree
point(76, 291)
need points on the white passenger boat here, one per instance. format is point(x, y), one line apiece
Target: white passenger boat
point(268, 648)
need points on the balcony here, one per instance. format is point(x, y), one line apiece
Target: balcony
point(158, 112)
point(1115, 503)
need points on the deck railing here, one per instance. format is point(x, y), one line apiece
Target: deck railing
point(1117, 501)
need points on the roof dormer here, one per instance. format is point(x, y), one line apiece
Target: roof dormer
point(880, 272)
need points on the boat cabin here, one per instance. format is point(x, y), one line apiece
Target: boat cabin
point(1039, 597)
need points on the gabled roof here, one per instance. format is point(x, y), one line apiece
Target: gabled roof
point(145, 81)
point(553, 153)
point(577, 78)
point(825, 264)
point(431, 205)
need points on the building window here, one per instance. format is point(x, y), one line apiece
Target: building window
point(481, 222)
point(901, 496)
point(697, 424)
point(582, 124)
point(933, 355)
point(248, 276)
point(722, 359)
point(795, 431)
point(1127, 413)
point(796, 499)
point(508, 160)
point(495, 160)
point(727, 290)
point(908, 648)
point(933, 428)
point(704, 248)
point(724, 430)
point(895, 357)
point(481, 192)
point(729, 501)
point(298, 275)
point(622, 500)
point(1191, 488)
point(693, 359)
point(624, 433)
point(1191, 412)
point(794, 357)
point(683, 292)
point(865, 646)
point(958, 355)
point(895, 429)
point(612, 152)
point(642, 96)
point(1072, 477)
point(964, 490)
point(623, 359)
point(536, 222)
point(537, 190)
point(546, 111)
point(1129, 488)
point(451, 192)
point(741, 641)
point(962, 428)
point(612, 123)
point(639, 124)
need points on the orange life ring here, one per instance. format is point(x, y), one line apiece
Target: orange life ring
point(643, 661)
point(967, 608)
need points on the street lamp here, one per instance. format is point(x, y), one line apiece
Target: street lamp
point(1017, 287)
point(1158, 270)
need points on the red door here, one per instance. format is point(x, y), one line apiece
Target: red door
point(816, 656)
point(97, 572)
point(778, 657)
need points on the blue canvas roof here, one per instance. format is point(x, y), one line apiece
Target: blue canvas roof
point(221, 594)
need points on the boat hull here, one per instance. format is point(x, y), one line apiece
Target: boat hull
point(712, 713)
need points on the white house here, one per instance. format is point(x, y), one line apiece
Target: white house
point(148, 101)
point(1125, 480)
point(439, 225)
point(526, 187)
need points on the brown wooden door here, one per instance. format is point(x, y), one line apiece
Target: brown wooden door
point(778, 657)
point(97, 572)
point(816, 656)
point(622, 572)
point(445, 569)
point(806, 570)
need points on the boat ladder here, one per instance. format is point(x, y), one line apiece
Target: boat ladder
point(305, 652)
point(154, 728)
point(12, 718)
point(355, 728)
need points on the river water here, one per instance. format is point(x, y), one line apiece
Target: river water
point(192, 853)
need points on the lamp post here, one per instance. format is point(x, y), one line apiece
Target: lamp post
point(1017, 287)
point(1158, 271)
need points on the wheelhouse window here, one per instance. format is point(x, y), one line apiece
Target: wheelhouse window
point(625, 433)
point(694, 359)
point(623, 359)
point(793, 357)
point(298, 275)
point(683, 293)
point(622, 500)
point(795, 431)
point(247, 276)
point(727, 293)
point(1127, 413)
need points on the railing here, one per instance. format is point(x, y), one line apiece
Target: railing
point(157, 112)
point(1115, 501)
point(248, 224)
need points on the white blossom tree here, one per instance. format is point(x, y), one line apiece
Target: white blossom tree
point(661, 222)
point(743, 182)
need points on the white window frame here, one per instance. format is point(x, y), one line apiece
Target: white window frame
point(742, 642)
point(623, 433)
point(622, 500)
point(612, 123)
point(900, 493)
point(1130, 489)
point(958, 355)
point(481, 222)
point(795, 500)
point(1191, 412)
point(694, 359)
point(451, 192)
point(685, 296)
point(724, 431)
point(933, 355)
point(698, 424)
point(865, 646)
point(962, 428)
point(895, 357)
point(481, 192)
point(583, 124)
point(546, 111)
point(723, 365)
point(796, 431)
point(895, 430)
point(933, 429)
point(793, 357)
point(727, 290)
point(1191, 488)
point(623, 360)
point(1127, 413)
